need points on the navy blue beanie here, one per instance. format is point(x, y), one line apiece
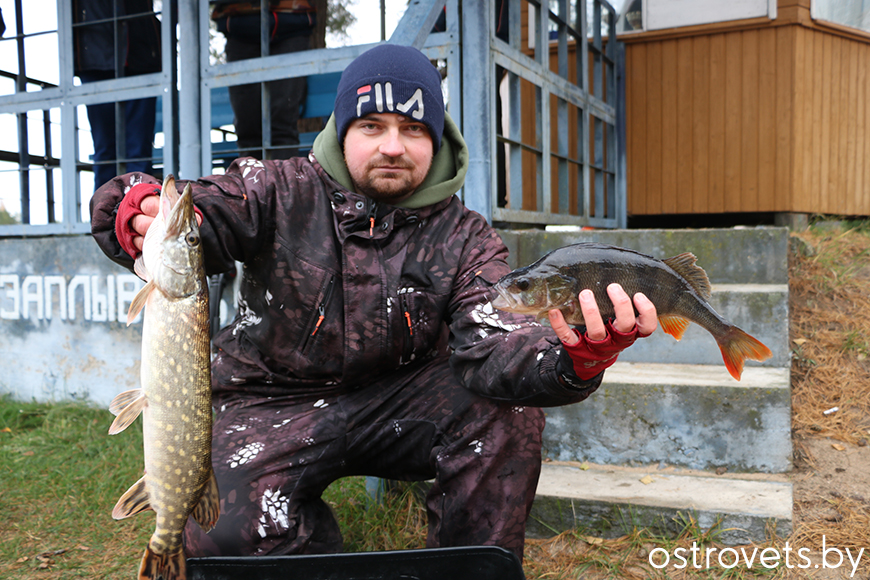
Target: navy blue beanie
point(393, 79)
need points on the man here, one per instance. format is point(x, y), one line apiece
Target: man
point(365, 343)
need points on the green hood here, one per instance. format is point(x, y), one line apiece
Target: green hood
point(445, 177)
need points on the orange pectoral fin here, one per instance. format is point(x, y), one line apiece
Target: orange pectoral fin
point(674, 325)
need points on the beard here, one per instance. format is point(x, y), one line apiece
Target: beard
point(389, 188)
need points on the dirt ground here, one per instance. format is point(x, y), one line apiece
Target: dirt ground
point(830, 330)
point(832, 499)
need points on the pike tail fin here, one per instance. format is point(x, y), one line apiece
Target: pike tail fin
point(737, 346)
point(208, 510)
point(168, 566)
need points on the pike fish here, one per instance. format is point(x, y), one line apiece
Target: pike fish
point(678, 288)
point(175, 393)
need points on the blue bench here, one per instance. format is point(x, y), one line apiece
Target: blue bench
point(319, 101)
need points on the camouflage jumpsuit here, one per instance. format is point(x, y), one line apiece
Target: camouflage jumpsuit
point(364, 345)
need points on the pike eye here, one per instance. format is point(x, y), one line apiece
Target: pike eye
point(192, 240)
point(522, 284)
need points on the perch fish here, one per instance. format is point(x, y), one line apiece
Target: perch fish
point(677, 287)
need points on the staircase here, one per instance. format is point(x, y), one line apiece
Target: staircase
point(670, 434)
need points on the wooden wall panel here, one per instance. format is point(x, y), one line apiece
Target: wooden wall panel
point(653, 117)
point(767, 69)
point(803, 112)
point(862, 125)
point(637, 140)
point(716, 184)
point(749, 129)
point(851, 109)
point(700, 142)
point(670, 111)
point(837, 129)
point(733, 112)
point(819, 89)
point(823, 162)
point(768, 118)
point(785, 40)
point(684, 130)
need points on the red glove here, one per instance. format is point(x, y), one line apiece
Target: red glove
point(590, 357)
point(129, 208)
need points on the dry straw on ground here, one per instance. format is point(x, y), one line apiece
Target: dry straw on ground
point(830, 333)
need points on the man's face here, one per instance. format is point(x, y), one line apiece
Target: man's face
point(388, 155)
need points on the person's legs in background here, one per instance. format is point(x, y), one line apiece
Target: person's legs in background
point(286, 98)
point(139, 129)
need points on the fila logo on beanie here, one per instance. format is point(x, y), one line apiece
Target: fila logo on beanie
point(393, 79)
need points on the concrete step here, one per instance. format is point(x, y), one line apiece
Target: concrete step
point(608, 501)
point(693, 416)
point(728, 255)
point(759, 309)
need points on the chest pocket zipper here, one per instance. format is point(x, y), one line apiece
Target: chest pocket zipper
point(408, 351)
point(321, 313)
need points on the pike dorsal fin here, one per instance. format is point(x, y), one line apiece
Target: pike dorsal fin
point(685, 266)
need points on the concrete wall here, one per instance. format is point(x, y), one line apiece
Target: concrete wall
point(63, 305)
point(63, 332)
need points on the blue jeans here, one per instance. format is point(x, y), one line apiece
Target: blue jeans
point(138, 129)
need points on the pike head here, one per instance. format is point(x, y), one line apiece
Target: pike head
point(172, 251)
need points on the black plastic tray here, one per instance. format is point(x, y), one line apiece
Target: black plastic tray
point(462, 563)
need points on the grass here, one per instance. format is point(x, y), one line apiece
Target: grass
point(61, 474)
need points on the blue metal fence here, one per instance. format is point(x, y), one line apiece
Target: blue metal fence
point(539, 105)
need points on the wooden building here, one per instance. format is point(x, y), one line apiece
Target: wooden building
point(762, 114)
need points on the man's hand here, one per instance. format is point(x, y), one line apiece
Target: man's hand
point(646, 321)
point(136, 213)
point(132, 221)
point(598, 348)
point(141, 222)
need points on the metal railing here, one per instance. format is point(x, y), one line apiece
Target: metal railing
point(65, 100)
point(553, 155)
